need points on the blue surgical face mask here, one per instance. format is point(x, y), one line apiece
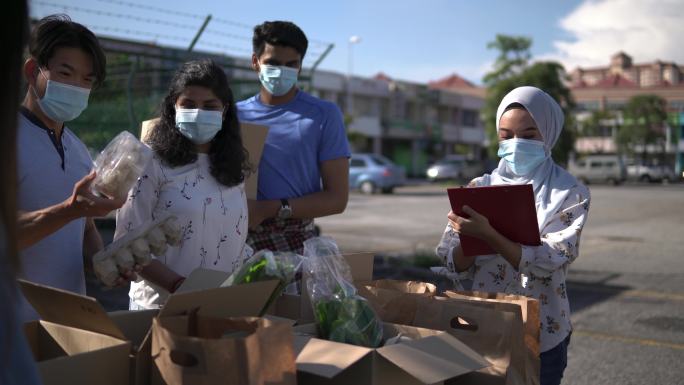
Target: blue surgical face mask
point(200, 126)
point(62, 102)
point(278, 80)
point(522, 155)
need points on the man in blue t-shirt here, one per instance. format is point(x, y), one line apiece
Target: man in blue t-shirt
point(304, 169)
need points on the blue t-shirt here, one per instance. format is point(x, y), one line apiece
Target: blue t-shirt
point(302, 134)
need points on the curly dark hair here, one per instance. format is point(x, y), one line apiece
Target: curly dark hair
point(228, 158)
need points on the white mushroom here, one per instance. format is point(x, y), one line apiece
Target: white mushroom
point(105, 269)
point(124, 259)
point(141, 251)
point(157, 241)
point(172, 230)
point(120, 164)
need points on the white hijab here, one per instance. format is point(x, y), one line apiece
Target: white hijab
point(550, 182)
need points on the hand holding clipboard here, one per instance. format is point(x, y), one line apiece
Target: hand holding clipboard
point(510, 210)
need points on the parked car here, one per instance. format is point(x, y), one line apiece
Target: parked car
point(370, 173)
point(599, 169)
point(643, 172)
point(455, 168)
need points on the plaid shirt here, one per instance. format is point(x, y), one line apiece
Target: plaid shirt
point(277, 234)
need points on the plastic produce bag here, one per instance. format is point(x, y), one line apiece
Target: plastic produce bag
point(266, 266)
point(120, 165)
point(340, 313)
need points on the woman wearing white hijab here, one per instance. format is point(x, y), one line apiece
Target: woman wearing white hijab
point(528, 124)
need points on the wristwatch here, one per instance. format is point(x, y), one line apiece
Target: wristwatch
point(285, 211)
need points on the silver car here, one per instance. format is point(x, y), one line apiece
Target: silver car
point(599, 169)
point(370, 173)
point(454, 168)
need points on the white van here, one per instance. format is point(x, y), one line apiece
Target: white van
point(599, 169)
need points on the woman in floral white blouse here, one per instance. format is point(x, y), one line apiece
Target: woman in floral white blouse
point(528, 124)
point(196, 174)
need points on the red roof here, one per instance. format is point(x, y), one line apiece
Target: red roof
point(451, 82)
point(611, 81)
point(382, 76)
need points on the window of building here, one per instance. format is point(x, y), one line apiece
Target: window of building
point(615, 105)
point(677, 105)
point(469, 118)
point(588, 106)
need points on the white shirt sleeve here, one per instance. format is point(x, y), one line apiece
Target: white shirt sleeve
point(445, 250)
point(142, 199)
point(560, 238)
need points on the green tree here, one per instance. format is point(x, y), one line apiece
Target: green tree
point(597, 124)
point(644, 123)
point(512, 69)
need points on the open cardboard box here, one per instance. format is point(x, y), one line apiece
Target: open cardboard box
point(85, 313)
point(432, 357)
point(291, 306)
point(253, 139)
point(71, 356)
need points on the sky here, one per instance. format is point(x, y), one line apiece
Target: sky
point(406, 39)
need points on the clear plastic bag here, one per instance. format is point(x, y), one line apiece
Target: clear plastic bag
point(120, 165)
point(265, 266)
point(341, 314)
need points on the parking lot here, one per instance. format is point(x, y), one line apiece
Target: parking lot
point(626, 288)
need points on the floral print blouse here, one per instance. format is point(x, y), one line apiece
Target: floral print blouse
point(213, 220)
point(542, 270)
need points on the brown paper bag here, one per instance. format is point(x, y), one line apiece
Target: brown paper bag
point(492, 331)
point(192, 349)
point(392, 306)
point(414, 287)
point(530, 313)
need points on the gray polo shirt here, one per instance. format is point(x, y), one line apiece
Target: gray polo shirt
point(47, 171)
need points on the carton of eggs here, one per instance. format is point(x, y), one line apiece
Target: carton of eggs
point(136, 248)
point(120, 165)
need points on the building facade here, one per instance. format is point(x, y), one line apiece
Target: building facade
point(610, 88)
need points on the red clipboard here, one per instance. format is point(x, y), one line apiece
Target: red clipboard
point(510, 209)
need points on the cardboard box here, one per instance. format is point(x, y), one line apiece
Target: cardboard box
point(253, 139)
point(431, 358)
point(71, 356)
point(291, 306)
point(85, 313)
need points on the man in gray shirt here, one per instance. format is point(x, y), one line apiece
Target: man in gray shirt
point(56, 232)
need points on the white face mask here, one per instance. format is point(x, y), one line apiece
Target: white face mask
point(62, 102)
point(522, 155)
point(278, 80)
point(200, 126)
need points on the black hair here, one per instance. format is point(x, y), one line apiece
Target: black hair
point(282, 33)
point(228, 158)
point(58, 31)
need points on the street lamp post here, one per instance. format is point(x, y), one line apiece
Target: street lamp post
point(350, 106)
